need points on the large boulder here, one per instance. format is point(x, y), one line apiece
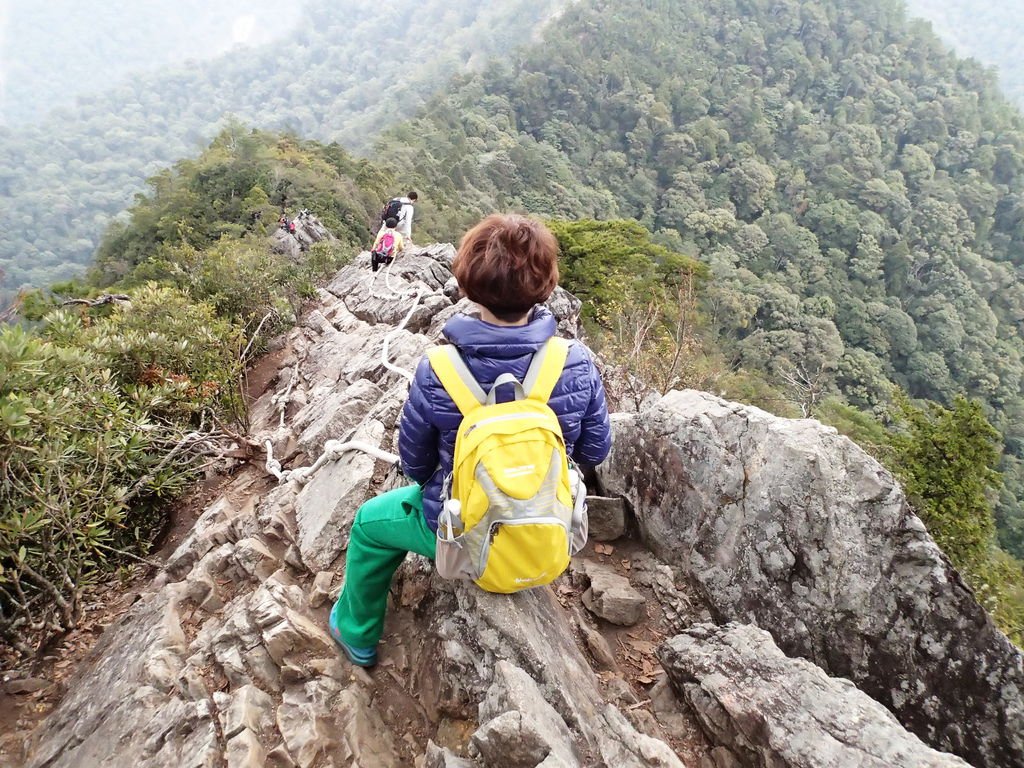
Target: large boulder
point(787, 525)
point(490, 655)
point(771, 711)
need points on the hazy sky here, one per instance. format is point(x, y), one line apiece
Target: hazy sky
point(4, 14)
point(55, 50)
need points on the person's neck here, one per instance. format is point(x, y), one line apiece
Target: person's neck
point(488, 317)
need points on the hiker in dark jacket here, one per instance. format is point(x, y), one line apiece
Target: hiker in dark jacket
point(507, 265)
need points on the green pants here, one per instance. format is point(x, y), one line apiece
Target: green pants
point(385, 529)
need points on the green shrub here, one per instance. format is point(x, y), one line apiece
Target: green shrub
point(82, 476)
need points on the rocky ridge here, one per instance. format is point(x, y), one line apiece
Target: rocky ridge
point(225, 659)
point(787, 525)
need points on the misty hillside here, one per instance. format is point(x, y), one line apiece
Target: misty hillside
point(992, 33)
point(63, 179)
point(56, 51)
point(854, 188)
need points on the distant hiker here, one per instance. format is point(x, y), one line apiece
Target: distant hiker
point(508, 266)
point(402, 210)
point(283, 222)
point(388, 244)
point(291, 227)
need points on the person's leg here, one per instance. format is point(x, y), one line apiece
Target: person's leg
point(384, 530)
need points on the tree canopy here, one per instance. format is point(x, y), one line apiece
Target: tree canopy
point(853, 187)
point(992, 33)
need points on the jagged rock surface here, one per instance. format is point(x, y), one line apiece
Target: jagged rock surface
point(787, 525)
point(226, 658)
point(308, 230)
point(771, 711)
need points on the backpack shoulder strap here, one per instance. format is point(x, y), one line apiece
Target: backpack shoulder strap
point(456, 379)
point(546, 368)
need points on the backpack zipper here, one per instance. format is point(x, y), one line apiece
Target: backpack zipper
point(506, 417)
point(486, 548)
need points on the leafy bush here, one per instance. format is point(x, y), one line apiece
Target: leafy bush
point(82, 474)
point(612, 264)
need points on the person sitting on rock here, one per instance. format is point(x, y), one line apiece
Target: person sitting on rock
point(508, 266)
point(387, 246)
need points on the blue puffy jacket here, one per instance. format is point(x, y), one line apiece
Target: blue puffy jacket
point(430, 420)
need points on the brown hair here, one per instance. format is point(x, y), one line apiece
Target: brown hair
point(507, 263)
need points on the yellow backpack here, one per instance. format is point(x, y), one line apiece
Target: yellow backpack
point(513, 510)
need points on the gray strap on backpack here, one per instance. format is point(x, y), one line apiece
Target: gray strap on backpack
point(462, 371)
point(533, 372)
point(506, 378)
point(490, 398)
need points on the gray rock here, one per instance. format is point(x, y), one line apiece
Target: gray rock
point(442, 757)
point(26, 685)
point(566, 309)
point(323, 589)
point(612, 597)
point(308, 231)
point(249, 709)
point(306, 729)
point(512, 740)
point(596, 644)
point(327, 504)
point(787, 525)
point(535, 731)
point(245, 751)
point(607, 518)
point(254, 557)
point(384, 299)
point(472, 631)
point(335, 414)
point(772, 711)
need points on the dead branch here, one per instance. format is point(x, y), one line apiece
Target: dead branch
point(107, 298)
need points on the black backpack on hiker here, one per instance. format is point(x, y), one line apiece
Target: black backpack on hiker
point(392, 210)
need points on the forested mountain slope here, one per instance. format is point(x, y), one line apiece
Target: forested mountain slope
point(60, 49)
point(993, 33)
point(854, 187)
point(349, 69)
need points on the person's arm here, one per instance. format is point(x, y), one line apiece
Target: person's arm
point(417, 436)
point(595, 439)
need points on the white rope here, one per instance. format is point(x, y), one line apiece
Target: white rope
point(401, 327)
point(334, 449)
point(281, 399)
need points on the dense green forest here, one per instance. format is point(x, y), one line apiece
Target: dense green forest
point(350, 68)
point(855, 189)
point(61, 49)
point(992, 33)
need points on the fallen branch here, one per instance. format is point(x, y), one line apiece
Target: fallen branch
point(107, 298)
point(256, 333)
point(192, 438)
